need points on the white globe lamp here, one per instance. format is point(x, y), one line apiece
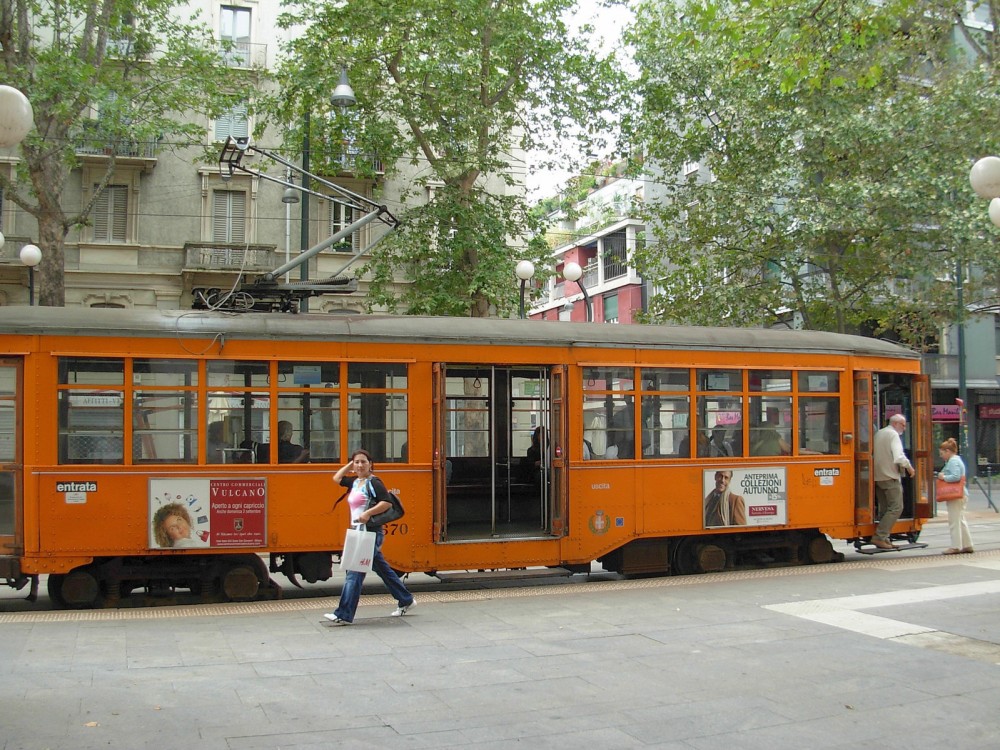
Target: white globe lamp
point(16, 116)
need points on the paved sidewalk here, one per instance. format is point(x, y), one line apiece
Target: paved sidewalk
point(893, 651)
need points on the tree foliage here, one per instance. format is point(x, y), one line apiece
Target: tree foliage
point(451, 90)
point(834, 139)
point(123, 71)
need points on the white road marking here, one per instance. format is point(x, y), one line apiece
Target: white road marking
point(843, 612)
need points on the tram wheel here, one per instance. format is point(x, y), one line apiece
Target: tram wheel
point(819, 550)
point(54, 585)
point(710, 558)
point(81, 589)
point(240, 583)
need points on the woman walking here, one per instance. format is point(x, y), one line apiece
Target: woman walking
point(954, 471)
point(364, 490)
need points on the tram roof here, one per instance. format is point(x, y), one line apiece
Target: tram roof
point(75, 321)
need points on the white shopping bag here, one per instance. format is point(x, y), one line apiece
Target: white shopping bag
point(359, 549)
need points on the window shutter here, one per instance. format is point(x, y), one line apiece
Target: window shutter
point(234, 123)
point(229, 213)
point(101, 217)
point(238, 217)
point(220, 216)
point(119, 213)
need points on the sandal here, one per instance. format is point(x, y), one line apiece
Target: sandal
point(952, 551)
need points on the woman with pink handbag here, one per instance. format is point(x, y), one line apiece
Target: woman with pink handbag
point(953, 473)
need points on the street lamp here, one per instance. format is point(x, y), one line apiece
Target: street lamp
point(31, 256)
point(290, 196)
point(16, 116)
point(985, 180)
point(573, 272)
point(343, 97)
point(525, 270)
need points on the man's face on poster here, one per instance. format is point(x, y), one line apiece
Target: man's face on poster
point(722, 479)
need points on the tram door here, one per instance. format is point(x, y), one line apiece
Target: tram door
point(10, 467)
point(877, 397)
point(496, 453)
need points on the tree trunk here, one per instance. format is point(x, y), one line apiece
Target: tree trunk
point(50, 279)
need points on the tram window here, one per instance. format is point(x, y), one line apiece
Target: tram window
point(8, 425)
point(608, 379)
point(91, 419)
point(91, 426)
point(376, 375)
point(666, 426)
point(226, 373)
point(377, 411)
point(720, 380)
point(819, 382)
point(164, 372)
point(771, 425)
point(666, 419)
point(609, 425)
point(769, 381)
point(720, 420)
point(245, 430)
point(309, 398)
point(91, 371)
point(377, 423)
point(467, 410)
point(165, 427)
point(665, 380)
point(819, 425)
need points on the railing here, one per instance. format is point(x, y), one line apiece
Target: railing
point(96, 145)
point(615, 256)
point(226, 257)
point(244, 55)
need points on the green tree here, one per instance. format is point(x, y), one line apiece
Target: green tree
point(135, 63)
point(834, 139)
point(452, 89)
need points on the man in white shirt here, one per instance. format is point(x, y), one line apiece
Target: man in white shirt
point(889, 463)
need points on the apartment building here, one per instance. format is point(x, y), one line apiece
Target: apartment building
point(171, 225)
point(599, 234)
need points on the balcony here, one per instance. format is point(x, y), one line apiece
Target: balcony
point(230, 258)
point(243, 54)
point(93, 140)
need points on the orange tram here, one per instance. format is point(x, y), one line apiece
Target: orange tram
point(175, 450)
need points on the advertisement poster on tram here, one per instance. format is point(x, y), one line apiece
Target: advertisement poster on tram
point(187, 513)
point(745, 497)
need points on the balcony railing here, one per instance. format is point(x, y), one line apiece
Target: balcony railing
point(95, 145)
point(226, 257)
point(615, 256)
point(244, 55)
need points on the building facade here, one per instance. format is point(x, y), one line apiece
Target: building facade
point(172, 226)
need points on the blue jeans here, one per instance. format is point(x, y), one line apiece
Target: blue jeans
point(351, 594)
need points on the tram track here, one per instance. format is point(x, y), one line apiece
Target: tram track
point(21, 611)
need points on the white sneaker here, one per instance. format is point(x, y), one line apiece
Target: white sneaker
point(402, 610)
point(336, 620)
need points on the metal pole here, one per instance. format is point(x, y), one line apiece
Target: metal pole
point(963, 395)
point(520, 308)
point(586, 299)
point(304, 239)
point(31, 286)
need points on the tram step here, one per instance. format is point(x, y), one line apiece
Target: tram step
point(899, 548)
point(501, 575)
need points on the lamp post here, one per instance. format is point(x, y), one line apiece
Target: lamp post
point(16, 116)
point(31, 256)
point(525, 270)
point(573, 272)
point(343, 97)
point(985, 180)
point(290, 196)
